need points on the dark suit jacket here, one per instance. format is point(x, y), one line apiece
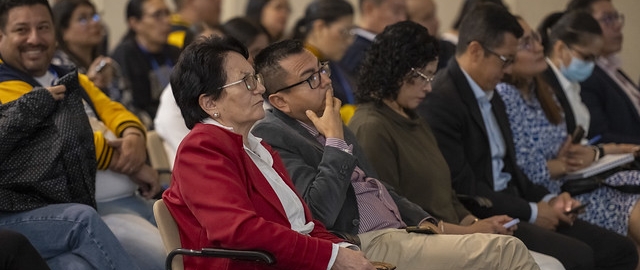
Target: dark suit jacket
point(613, 116)
point(323, 174)
point(454, 115)
point(354, 55)
point(551, 79)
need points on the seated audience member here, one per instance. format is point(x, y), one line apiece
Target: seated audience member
point(395, 77)
point(612, 98)
point(424, 13)
point(340, 186)
point(543, 151)
point(50, 197)
point(80, 35)
point(473, 134)
point(17, 253)
point(571, 48)
point(144, 55)
point(375, 15)
point(272, 15)
point(189, 14)
point(169, 122)
point(229, 189)
point(325, 30)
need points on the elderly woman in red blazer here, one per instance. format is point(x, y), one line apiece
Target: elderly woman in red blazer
point(229, 190)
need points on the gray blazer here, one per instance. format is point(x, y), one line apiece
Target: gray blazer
point(322, 175)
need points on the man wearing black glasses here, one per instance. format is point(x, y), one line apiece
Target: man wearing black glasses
point(331, 173)
point(612, 98)
point(472, 129)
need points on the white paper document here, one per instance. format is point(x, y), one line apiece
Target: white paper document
point(604, 164)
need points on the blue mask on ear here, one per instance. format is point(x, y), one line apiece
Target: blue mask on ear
point(578, 70)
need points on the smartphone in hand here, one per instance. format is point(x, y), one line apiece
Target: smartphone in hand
point(416, 229)
point(511, 223)
point(577, 210)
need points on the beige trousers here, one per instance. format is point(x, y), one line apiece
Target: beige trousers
point(409, 251)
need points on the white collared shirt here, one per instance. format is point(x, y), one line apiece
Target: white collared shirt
point(288, 199)
point(572, 91)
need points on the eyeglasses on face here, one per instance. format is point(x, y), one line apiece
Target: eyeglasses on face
point(506, 60)
point(611, 19)
point(314, 80)
point(84, 20)
point(426, 79)
point(529, 42)
point(589, 57)
point(250, 81)
point(159, 14)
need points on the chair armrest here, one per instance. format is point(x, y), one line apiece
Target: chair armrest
point(243, 255)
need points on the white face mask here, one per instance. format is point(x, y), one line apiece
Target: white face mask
point(578, 70)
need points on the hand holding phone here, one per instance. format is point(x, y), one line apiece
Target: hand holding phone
point(423, 230)
point(577, 210)
point(511, 223)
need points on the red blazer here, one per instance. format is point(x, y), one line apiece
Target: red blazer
point(219, 198)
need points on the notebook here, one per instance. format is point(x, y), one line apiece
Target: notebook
point(604, 164)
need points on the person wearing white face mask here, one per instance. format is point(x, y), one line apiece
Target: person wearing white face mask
point(571, 49)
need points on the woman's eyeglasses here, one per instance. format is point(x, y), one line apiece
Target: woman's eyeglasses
point(314, 80)
point(251, 82)
point(529, 42)
point(426, 79)
point(84, 20)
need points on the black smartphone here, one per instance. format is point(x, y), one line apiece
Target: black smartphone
point(416, 229)
point(576, 210)
point(578, 135)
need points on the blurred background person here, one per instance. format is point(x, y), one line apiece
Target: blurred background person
point(80, 35)
point(424, 12)
point(271, 14)
point(326, 30)
point(189, 14)
point(144, 55)
point(375, 15)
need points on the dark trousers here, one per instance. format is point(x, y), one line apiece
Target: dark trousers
point(581, 246)
point(16, 252)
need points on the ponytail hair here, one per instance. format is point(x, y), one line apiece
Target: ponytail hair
point(574, 27)
point(327, 10)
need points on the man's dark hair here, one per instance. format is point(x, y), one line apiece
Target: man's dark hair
point(7, 5)
point(388, 63)
point(201, 70)
point(582, 5)
point(267, 63)
point(470, 5)
point(573, 28)
point(487, 24)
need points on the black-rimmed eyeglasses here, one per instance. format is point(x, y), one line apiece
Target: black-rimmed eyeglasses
point(506, 60)
point(314, 80)
point(251, 82)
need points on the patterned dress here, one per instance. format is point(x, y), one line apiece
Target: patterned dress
point(537, 140)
